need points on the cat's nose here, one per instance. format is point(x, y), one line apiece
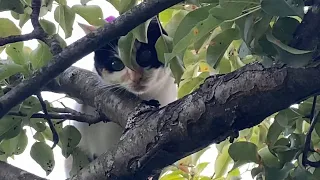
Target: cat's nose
point(135, 76)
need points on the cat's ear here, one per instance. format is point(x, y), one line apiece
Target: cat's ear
point(87, 28)
point(154, 31)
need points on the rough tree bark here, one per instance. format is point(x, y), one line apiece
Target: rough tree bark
point(9, 172)
point(223, 105)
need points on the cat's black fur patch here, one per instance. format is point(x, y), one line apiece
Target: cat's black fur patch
point(105, 57)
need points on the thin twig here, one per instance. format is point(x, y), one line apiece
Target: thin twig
point(47, 117)
point(54, 44)
point(17, 38)
point(79, 117)
point(313, 120)
point(36, 5)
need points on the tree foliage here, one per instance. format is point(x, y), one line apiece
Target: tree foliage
point(204, 36)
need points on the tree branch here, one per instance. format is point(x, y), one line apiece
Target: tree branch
point(36, 6)
point(225, 103)
point(67, 115)
point(78, 83)
point(306, 36)
point(9, 172)
point(17, 38)
point(55, 136)
point(37, 33)
point(72, 53)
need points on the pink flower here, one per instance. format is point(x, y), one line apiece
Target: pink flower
point(110, 18)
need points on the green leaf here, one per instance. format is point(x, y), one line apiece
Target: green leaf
point(278, 174)
point(200, 167)
point(14, 5)
point(123, 6)
point(243, 152)
point(23, 19)
point(125, 45)
point(70, 138)
point(48, 26)
point(288, 55)
point(91, 13)
point(40, 56)
point(286, 155)
point(191, 71)
point(22, 142)
point(283, 8)
point(189, 21)
point(219, 45)
point(300, 173)
point(15, 15)
point(165, 16)
point(287, 117)
point(63, 44)
point(171, 26)
point(284, 29)
point(10, 126)
point(80, 160)
point(226, 3)
point(189, 85)
point(199, 44)
point(221, 145)
point(229, 11)
point(196, 156)
point(200, 30)
point(62, 2)
point(316, 172)
point(16, 145)
point(46, 6)
point(43, 155)
point(224, 66)
point(175, 175)
point(65, 16)
point(164, 45)
point(222, 162)
point(140, 32)
point(38, 136)
point(37, 124)
point(274, 131)
point(268, 158)
point(263, 131)
point(7, 70)
point(255, 171)
point(84, 2)
point(15, 52)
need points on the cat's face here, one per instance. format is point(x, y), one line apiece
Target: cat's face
point(150, 71)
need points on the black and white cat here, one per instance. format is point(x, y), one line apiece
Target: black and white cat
point(151, 81)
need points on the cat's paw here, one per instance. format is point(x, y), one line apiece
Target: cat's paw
point(144, 106)
point(152, 102)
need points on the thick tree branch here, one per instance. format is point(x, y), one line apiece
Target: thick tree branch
point(9, 172)
point(78, 83)
point(224, 104)
point(120, 26)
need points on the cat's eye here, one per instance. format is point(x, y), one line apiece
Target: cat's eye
point(144, 58)
point(117, 64)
